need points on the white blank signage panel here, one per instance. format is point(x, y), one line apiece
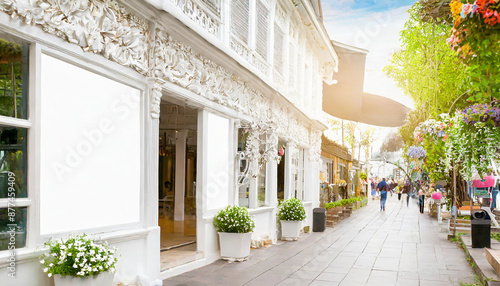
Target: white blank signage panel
point(89, 149)
point(217, 162)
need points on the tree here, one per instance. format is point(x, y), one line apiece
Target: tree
point(392, 143)
point(426, 68)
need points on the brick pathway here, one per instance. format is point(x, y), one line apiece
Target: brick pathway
point(398, 247)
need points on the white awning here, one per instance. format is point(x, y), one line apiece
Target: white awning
point(346, 99)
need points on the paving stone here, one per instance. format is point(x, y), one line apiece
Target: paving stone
point(295, 282)
point(302, 274)
point(330, 277)
point(398, 247)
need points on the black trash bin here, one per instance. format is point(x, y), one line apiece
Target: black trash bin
point(319, 219)
point(480, 223)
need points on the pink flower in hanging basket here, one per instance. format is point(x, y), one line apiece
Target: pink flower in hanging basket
point(281, 151)
point(436, 195)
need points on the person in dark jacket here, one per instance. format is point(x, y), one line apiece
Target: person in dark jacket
point(382, 187)
point(406, 190)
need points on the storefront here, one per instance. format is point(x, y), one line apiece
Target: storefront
point(137, 131)
point(335, 161)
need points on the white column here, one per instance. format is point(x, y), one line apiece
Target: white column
point(151, 132)
point(272, 183)
point(288, 171)
point(201, 180)
point(180, 180)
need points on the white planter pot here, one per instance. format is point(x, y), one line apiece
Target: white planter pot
point(235, 246)
point(290, 229)
point(103, 279)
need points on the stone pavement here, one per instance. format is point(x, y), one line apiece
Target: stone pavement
point(398, 247)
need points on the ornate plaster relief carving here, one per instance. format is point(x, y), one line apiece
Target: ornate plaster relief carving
point(105, 28)
point(101, 27)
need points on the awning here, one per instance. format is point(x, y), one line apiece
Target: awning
point(346, 99)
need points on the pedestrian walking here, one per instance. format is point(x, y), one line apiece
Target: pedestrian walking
point(382, 187)
point(406, 190)
point(399, 192)
point(421, 201)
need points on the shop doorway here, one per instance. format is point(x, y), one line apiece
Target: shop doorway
point(281, 173)
point(177, 185)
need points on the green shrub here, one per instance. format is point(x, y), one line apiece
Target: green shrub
point(363, 176)
point(292, 209)
point(233, 219)
point(333, 205)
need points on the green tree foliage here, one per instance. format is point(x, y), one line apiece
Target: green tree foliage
point(426, 68)
point(392, 143)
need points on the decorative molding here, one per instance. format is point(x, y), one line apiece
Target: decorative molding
point(280, 15)
point(105, 28)
point(200, 15)
point(101, 27)
point(315, 143)
point(155, 95)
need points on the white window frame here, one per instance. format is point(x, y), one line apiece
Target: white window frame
point(29, 201)
point(110, 70)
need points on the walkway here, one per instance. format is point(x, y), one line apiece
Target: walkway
point(398, 247)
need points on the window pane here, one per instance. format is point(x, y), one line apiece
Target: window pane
point(262, 27)
point(13, 73)
point(13, 228)
point(13, 161)
point(243, 182)
point(240, 19)
point(261, 186)
point(243, 200)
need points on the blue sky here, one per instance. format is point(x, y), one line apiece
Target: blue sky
point(373, 25)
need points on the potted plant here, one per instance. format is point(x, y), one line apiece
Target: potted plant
point(234, 226)
point(291, 213)
point(78, 261)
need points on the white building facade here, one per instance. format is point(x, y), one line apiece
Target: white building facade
point(136, 121)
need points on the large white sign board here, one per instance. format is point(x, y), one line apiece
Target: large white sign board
point(90, 150)
point(218, 159)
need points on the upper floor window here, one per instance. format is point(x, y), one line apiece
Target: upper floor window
point(292, 66)
point(213, 6)
point(262, 22)
point(240, 19)
point(279, 40)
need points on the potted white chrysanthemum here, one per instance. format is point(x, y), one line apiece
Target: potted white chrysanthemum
point(291, 213)
point(79, 260)
point(235, 227)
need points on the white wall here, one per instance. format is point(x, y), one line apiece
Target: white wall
point(90, 150)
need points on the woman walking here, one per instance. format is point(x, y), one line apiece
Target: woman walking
point(421, 201)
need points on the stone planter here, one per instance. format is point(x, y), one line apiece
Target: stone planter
point(235, 246)
point(290, 229)
point(103, 279)
point(359, 204)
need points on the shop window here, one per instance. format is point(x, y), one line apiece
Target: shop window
point(13, 144)
point(261, 186)
point(13, 223)
point(243, 180)
point(261, 177)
